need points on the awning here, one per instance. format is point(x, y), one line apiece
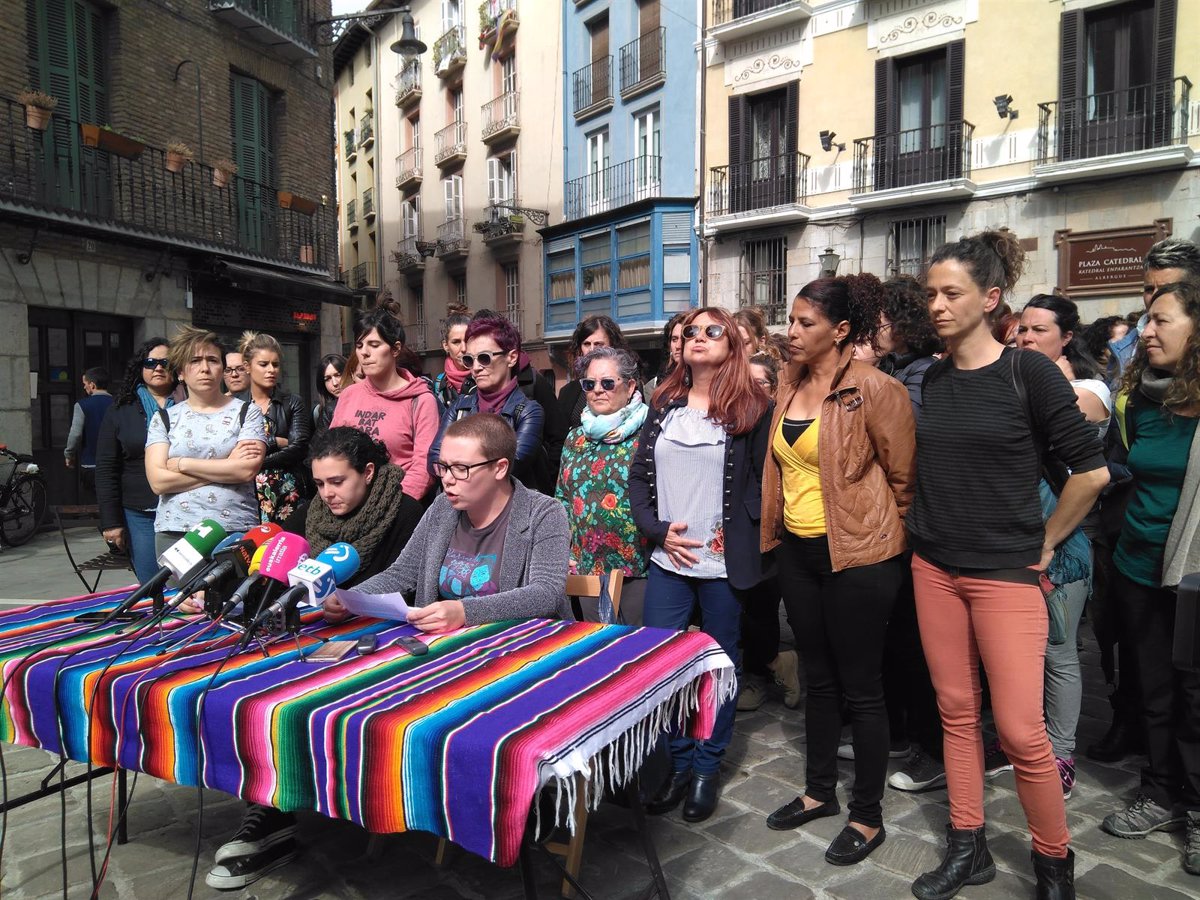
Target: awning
point(318, 288)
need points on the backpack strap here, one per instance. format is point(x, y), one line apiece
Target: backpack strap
point(166, 420)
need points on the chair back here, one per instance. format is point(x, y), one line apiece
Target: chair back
point(606, 589)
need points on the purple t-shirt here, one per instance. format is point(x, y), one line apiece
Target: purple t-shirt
point(472, 564)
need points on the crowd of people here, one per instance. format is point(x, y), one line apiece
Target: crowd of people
point(933, 506)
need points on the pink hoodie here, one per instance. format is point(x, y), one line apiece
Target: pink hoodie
point(405, 420)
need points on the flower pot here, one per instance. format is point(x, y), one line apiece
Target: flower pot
point(117, 144)
point(220, 178)
point(289, 200)
point(308, 255)
point(38, 118)
point(176, 161)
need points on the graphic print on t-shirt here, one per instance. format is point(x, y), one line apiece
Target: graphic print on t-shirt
point(468, 575)
point(368, 421)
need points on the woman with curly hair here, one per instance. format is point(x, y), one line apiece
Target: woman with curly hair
point(694, 489)
point(127, 502)
point(838, 483)
point(1157, 412)
point(980, 543)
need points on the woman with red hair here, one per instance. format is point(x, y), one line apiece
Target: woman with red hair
point(694, 490)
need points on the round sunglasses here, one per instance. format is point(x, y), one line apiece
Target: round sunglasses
point(712, 332)
point(485, 359)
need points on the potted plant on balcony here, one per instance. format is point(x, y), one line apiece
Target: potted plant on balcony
point(178, 156)
point(38, 108)
point(104, 138)
point(288, 200)
point(223, 170)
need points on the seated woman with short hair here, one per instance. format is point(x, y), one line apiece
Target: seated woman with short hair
point(488, 549)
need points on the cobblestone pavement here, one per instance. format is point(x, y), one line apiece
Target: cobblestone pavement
point(731, 855)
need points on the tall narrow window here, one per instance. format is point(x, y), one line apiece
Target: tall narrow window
point(763, 164)
point(512, 293)
point(764, 278)
point(453, 196)
point(647, 139)
point(597, 170)
point(250, 118)
point(410, 214)
point(598, 36)
point(508, 74)
point(501, 172)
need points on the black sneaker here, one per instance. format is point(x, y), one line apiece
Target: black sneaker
point(239, 871)
point(262, 828)
point(920, 773)
point(995, 761)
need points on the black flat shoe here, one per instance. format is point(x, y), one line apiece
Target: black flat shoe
point(793, 815)
point(702, 797)
point(850, 847)
point(671, 794)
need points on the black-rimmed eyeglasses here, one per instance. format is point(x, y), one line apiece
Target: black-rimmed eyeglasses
point(460, 471)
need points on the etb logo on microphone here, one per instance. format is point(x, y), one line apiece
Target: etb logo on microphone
point(318, 577)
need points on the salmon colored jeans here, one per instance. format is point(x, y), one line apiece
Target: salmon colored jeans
point(965, 618)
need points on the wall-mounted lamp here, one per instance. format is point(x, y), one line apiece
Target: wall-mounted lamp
point(1003, 109)
point(827, 143)
point(829, 262)
point(409, 46)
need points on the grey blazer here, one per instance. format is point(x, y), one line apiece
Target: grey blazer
point(533, 571)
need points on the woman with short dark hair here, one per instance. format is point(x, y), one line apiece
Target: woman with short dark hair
point(329, 387)
point(590, 334)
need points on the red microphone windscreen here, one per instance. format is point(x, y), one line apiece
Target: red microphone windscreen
point(283, 555)
point(263, 533)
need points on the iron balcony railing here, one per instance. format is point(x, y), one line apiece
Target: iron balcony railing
point(913, 156)
point(291, 18)
point(644, 60)
point(452, 235)
point(368, 203)
point(408, 83)
point(364, 275)
point(1138, 118)
point(52, 173)
point(366, 129)
point(592, 85)
point(729, 10)
point(490, 12)
point(501, 113)
point(408, 165)
point(351, 143)
point(635, 179)
point(449, 48)
point(352, 213)
point(450, 141)
point(406, 253)
point(759, 184)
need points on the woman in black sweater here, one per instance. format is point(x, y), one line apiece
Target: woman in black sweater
point(979, 545)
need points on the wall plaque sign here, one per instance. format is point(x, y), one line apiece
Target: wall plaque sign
point(1094, 263)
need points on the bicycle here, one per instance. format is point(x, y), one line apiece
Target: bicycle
point(23, 500)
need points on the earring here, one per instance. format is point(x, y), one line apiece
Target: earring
point(687, 376)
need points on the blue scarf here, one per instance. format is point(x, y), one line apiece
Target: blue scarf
point(150, 404)
point(615, 427)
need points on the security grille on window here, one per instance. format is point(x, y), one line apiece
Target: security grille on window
point(460, 290)
point(764, 278)
point(512, 294)
point(910, 243)
point(416, 337)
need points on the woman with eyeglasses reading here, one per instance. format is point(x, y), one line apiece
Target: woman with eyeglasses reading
point(694, 490)
point(492, 355)
point(127, 502)
point(593, 478)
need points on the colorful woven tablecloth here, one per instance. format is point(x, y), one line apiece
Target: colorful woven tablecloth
point(457, 742)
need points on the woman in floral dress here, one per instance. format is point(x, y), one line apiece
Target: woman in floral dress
point(593, 477)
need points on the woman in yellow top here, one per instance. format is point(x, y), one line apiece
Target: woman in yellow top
point(837, 482)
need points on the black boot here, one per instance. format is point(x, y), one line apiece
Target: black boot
point(1055, 877)
point(967, 861)
point(702, 798)
point(1122, 739)
point(671, 794)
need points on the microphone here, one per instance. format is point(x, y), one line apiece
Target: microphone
point(251, 581)
point(182, 561)
point(282, 555)
point(231, 563)
point(316, 579)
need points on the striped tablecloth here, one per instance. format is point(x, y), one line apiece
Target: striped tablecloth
point(457, 742)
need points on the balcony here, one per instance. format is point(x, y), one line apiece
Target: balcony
point(452, 240)
point(450, 145)
point(352, 216)
point(635, 179)
point(764, 191)
point(737, 19)
point(368, 205)
point(407, 256)
point(918, 165)
point(1141, 129)
point(643, 63)
point(408, 86)
point(366, 132)
point(592, 89)
point(52, 178)
point(350, 141)
point(408, 169)
point(284, 27)
point(450, 52)
point(502, 229)
point(501, 118)
point(364, 276)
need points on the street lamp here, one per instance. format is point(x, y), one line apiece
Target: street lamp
point(829, 262)
point(409, 46)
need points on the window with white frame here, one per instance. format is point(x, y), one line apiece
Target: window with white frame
point(452, 195)
point(459, 285)
point(414, 133)
point(451, 14)
point(597, 166)
point(512, 293)
point(508, 74)
point(911, 242)
point(410, 217)
point(502, 179)
point(647, 149)
point(456, 106)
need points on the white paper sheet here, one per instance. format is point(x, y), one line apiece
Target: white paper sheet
point(377, 606)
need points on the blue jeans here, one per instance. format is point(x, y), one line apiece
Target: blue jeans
point(141, 542)
point(670, 599)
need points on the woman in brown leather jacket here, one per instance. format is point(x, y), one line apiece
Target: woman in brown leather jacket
point(836, 485)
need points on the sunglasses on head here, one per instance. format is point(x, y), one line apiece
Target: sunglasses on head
point(151, 362)
point(589, 384)
point(713, 332)
point(485, 359)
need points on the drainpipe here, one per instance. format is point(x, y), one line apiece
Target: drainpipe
point(703, 150)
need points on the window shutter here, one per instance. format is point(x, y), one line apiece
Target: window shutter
point(956, 137)
point(89, 62)
point(493, 180)
point(252, 130)
point(1071, 69)
point(513, 193)
point(1164, 72)
point(887, 118)
point(448, 197)
point(739, 131)
point(791, 124)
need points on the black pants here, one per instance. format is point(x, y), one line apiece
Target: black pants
point(840, 621)
point(1117, 657)
point(1170, 697)
point(760, 627)
point(911, 702)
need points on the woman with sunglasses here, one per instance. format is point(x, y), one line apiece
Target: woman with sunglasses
point(838, 483)
point(593, 478)
point(492, 356)
point(127, 502)
point(694, 490)
point(391, 403)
